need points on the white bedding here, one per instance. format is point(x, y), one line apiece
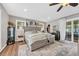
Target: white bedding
point(32, 37)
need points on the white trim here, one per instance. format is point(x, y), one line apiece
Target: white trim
point(72, 36)
point(73, 19)
point(3, 47)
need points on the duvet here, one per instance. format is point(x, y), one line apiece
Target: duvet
point(38, 39)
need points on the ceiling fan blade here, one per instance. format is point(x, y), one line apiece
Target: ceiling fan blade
point(53, 4)
point(60, 8)
point(73, 4)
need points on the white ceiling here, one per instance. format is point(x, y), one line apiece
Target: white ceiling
point(39, 11)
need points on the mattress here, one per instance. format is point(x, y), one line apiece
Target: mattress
point(37, 40)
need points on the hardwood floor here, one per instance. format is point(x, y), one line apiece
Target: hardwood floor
point(11, 50)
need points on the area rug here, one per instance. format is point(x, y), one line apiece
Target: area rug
point(62, 48)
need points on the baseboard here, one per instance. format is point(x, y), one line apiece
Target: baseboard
point(3, 48)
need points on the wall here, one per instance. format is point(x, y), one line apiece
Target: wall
point(54, 23)
point(14, 18)
point(4, 25)
point(62, 28)
point(61, 24)
point(0, 29)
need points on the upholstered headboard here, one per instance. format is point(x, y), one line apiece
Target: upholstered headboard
point(32, 28)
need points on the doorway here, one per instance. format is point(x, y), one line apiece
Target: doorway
point(20, 25)
point(72, 30)
point(76, 30)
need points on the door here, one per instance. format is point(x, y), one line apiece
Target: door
point(76, 30)
point(72, 30)
point(68, 30)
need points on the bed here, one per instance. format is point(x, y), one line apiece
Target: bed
point(37, 39)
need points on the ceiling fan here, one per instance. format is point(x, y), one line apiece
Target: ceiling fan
point(64, 4)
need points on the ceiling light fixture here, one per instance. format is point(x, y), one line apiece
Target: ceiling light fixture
point(48, 18)
point(64, 2)
point(25, 10)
